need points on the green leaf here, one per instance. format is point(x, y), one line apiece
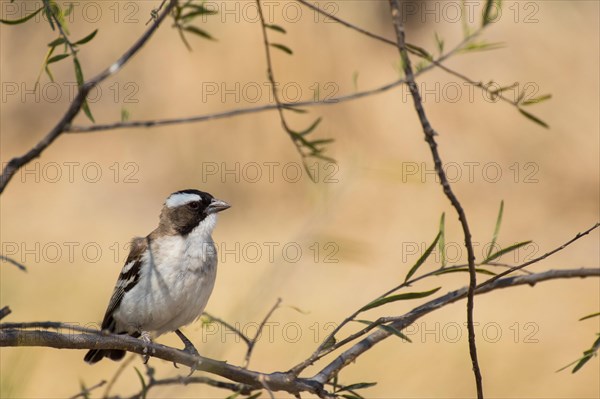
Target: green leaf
point(390, 329)
point(537, 100)
point(505, 251)
point(360, 385)
point(322, 142)
point(312, 127)
point(534, 118)
point(440, 43)
point(421, 52)
point(423, 258)
point(400, 297)
point(57, 42)
point(481, 46)
point(283, 48)
point(197, 31)
point(355, 76)
point(69, 10)
point(590, 316)
point(442, 240)
point(487, 12)
point(276, 28)
point(587, 355)
point(496, 229)
point(80, 82)
point(464, 269)
point(233, 395)
point(351, 396)
point(21, 20)
point(87, 38)
point(57, 58)
point(124, 115)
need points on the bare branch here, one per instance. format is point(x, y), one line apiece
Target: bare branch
point(403, 321)
point(16, 163)
point(252, 343)
point(14, 262)
point(430, 139)
point(85, 392)
point(539, 258)
point(229, 326)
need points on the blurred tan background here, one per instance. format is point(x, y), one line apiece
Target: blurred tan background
point(359, 229)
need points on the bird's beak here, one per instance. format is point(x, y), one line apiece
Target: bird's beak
point(217, 205)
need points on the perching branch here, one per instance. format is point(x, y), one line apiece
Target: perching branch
point(16, 163)
point(430, 139)
point(19, 334)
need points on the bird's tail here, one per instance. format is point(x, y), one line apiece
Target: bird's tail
point(95, 355)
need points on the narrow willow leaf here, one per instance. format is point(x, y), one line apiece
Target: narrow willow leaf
point(355, 76)
point(69, 10)
point(202, 9)
point(192, 14)
point(587, 355)
point(124, 115)
point(487, 11)
point(589, 316)
point(534, 118)
point(283, 48)
point(496, 229)
point(197, 31)
point(312, 127)
point(464, 269)
point(400, 297)
point(419, 51)
point(297, 309)
point(423, 258)
point(49, 74)
point(57, 58)
point(505, 251)
point(80, 82)
point(440, 43)
point(390, 329)
point(537, 100)
point(56, 42)
point(322, 141)
point(87, 38)
point(276, 28)
point(233, 395)
point(481, 46)
point(353, 387)
point(442, 240)
point(21, 20)
point(350, 396)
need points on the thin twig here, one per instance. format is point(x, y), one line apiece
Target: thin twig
point(539, 258)
point(252, 342)
point(229, 326)
point(16, 163)
point(118, 374)
point(271, 77)
point(430, 139)
point(85, 392)
point(14, 262)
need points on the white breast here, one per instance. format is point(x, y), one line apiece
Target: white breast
point(176, 281)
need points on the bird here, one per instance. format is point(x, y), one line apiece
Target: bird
point(168, 276)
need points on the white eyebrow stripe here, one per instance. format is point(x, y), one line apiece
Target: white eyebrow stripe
point(179, 199)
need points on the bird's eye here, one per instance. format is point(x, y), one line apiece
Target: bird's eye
point(194, 205)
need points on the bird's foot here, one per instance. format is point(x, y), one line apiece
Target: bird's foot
point(188, 348)
point(145, 337)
